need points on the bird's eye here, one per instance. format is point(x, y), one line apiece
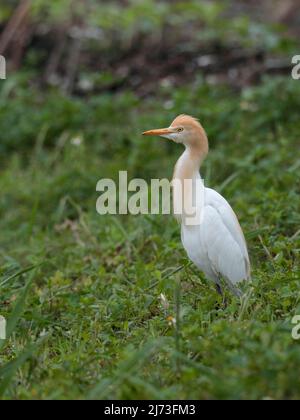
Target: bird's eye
point(179, 130)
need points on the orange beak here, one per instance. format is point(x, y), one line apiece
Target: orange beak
point(159, 132)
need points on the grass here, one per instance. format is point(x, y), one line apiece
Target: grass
point(81, 291)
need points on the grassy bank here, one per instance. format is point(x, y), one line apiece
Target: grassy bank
point(90, 322)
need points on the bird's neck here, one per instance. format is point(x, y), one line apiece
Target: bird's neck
point(186, 176)
point(188, 165)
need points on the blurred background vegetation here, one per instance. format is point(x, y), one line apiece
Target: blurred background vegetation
point(90, 49)
point(80, 291)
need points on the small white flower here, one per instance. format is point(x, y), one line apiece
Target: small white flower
point(169, 104)
point(164, 301)
point(166, 82)
point(76, 141)
point(43, 333)
point(171, 321)
point(85, 84)
point(2, 328)
point(248, 106)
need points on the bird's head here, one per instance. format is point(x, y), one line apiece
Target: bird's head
point(184, 129)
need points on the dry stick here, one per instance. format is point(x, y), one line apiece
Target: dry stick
point(56, 54)
point(75, 50)
point(169, 275)
point(177, 325)
point(19, 43)
point(286, 10)
point(268, 253)
point(295, 235)
point(72, 65)
point(13, 24)
point(265, 248)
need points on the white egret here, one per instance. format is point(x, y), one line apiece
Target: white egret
point(216, 245)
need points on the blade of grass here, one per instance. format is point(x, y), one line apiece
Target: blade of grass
point(8, 371)
point(126, 369)
point(19, 273)
point(227, 181)
point(19, 308)
point(17, 311)
point(176, 270)
point(177, 326)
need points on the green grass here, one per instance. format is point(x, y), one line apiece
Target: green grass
point(86, 319)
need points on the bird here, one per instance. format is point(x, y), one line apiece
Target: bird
point(216, 245)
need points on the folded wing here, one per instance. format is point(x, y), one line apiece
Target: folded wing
point(224, 240)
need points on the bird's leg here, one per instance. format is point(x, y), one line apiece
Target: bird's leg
point(221, 293)
point(219, 289)
point(234, 290)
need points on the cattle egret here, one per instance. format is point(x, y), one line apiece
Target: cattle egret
point(216, 245)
